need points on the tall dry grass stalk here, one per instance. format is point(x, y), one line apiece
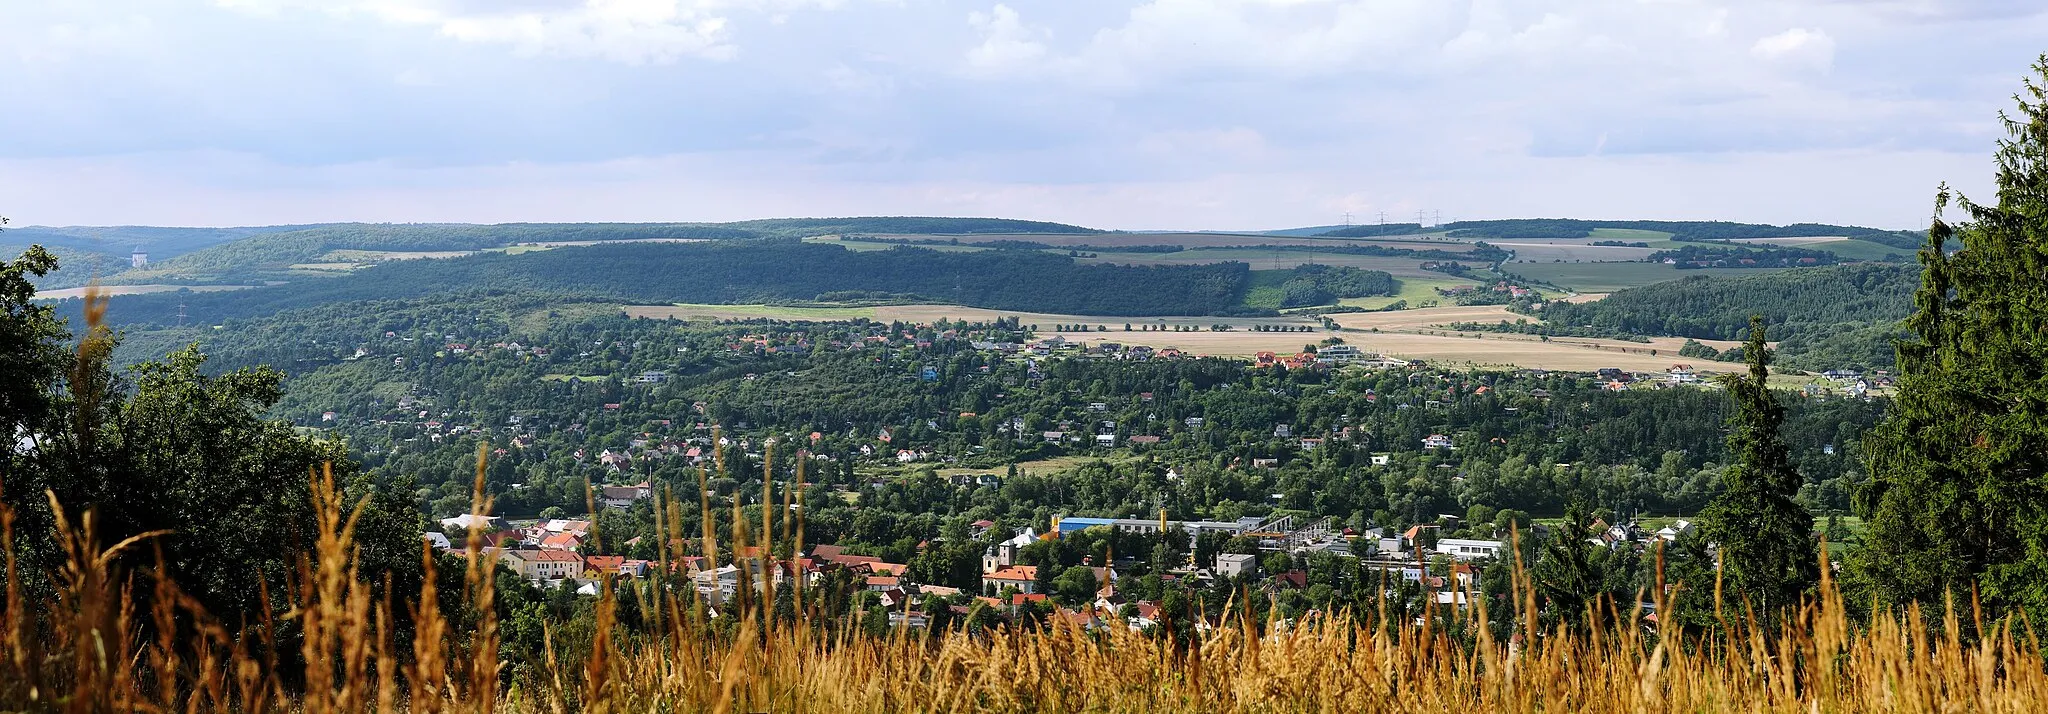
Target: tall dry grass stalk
point(85, 652)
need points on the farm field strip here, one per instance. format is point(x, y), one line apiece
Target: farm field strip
point(68, 293)
point(1187, 240)
point(1402, 334)
point(1269, 260)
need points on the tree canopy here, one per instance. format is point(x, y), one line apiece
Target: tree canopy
point(1958, 497)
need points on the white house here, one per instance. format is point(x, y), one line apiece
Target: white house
point(1236, 565)
point(1463, 549)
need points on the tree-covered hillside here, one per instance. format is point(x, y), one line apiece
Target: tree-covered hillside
point(255, 255)
point(750, 272)
point(1843, 314)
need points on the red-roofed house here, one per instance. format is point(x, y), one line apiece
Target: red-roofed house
point(1022, 577)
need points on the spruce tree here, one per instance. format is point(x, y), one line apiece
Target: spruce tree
point(1959, 468)
point(1763, 536)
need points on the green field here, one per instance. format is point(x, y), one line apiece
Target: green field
point(1269, 259)
point(866, 246)
point(1608, 277)
point(1264, 290)
point(772, 312)
point(1416, 291)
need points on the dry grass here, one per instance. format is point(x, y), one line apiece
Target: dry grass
point(92, 657)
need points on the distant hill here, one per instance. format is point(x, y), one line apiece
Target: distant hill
point(249, 255)
point(159, 242)
point(914, 225)
point(753, 271)
point(1374, 230)
point(1308, 232)
point(1683, 231)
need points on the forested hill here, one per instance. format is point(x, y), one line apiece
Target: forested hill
point(250, 255)
point(777, 270)
point(1683, 231)
point(801, 227)
point(1841, 316)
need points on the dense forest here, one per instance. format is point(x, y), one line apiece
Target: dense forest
point(1839, 314)
point(1323, 284)
point(1728, 256)
point(778, 270)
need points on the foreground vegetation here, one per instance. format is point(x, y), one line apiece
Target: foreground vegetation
point(117, 636)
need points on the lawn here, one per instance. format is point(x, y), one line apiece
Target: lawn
point(1041, 467)
point(573, 378)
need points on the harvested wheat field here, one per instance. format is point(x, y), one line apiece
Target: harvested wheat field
point(1401, 334)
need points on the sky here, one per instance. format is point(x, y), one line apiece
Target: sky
point(1123, 114)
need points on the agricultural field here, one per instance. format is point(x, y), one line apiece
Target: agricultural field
point(68, 293)
point(1271, 259)
point(1609, 277)
point(1409, 334)
point(1573, 251)
point(862, 246)
point(1187, 240)
point(1415, 290)
point(820, 313)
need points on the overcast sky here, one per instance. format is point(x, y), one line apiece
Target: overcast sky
point(1184, 114)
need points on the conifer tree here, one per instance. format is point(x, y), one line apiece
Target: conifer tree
point(1763, 536)
point(1959, 491)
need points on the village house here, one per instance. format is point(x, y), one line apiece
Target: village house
point(543, 565)
point(623, 497)
point(1022, 577)
point(1467, 550)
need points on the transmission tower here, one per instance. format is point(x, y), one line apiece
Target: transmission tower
point(181, 314)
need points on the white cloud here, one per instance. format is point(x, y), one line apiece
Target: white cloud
point(1008, 46)
point(1119, 113)
point(628, 31)
point(1812, 49)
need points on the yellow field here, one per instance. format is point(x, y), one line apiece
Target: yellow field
point(1407, 334)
